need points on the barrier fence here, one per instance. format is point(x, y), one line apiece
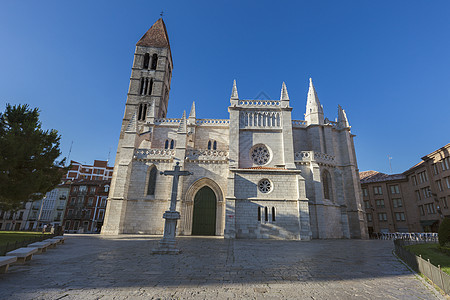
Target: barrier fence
point(407, 236)
point(23, 243)
point(418, 264)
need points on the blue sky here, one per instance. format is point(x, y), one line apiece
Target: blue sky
point(386, 62)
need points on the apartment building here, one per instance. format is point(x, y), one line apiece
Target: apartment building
point(413, 201)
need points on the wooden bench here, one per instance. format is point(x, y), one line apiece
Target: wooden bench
point(42, 246)
point(5, 261)
point(23, 254)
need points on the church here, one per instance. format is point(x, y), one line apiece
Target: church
point(258, 174)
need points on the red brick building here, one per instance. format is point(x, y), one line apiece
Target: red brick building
point(85, 209)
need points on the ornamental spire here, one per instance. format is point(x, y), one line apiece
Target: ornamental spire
point(234, 92)
point(192, 113)
point(182, 128)
point(284, 93)
point(342, 118)
point(314, 110)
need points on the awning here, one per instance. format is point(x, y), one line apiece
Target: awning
point(427, 222)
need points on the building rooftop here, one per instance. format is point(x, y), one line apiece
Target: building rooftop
point(374, 176)
point(156, 36)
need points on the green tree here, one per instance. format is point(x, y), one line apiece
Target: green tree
point(28, 166)
point(444, 232)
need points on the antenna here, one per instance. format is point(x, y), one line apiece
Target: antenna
point(70, 151)
point(109, 152)
point(390, 165)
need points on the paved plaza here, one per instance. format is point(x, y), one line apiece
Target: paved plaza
point(97, 267)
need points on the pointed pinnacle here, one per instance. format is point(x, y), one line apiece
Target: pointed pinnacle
point(284, 93)
point(183, 128)
point(234, 92)
point(342, 118)
point(192, 113)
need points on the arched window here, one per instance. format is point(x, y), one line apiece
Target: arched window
point(215, 145)
point(209, 145)
point(154, 61)
point(259, 213)
point(273, 214)
point(266, 214)
point(144, 112)
point(327, 187)
point(146, 61)
point(166, 145)
point(152, 181)
point(171, 144)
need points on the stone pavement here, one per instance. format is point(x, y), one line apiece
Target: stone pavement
point(97, 267)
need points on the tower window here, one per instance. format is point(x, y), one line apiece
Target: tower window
point(166, 145)
point(154, 61)
point(142, 112)
point(259, 213)
point(212, 144)
point(273, 214)
point(171, 144)
point(150, 87)
point(141, 90)
point(146, 61)
point(215, 145)
point(209, 145)
point(152, 181)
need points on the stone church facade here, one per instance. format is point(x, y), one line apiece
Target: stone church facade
point(258, 174)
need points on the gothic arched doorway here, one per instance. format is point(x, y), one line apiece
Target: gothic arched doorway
point(204, 214)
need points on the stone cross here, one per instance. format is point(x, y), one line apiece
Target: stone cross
point(168, 244)
point(176, 173)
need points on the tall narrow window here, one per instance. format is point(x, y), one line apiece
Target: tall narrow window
point(150, 87)
point(141, 90)
point(171, 144)
point(215, 145)
point(154, 61)
point(140, 111)
point(146, 86)
point(266, 214)
point(259, 213)
point(166, 145)
point(146, 61)
point(152, 181)
point(144, 112)
point(209, 145)
point(273, 214)
point(326, 183)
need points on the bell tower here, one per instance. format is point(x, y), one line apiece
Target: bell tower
point(148, 94)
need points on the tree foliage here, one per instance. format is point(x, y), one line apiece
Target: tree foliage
point(28, 166)
point(444, 232)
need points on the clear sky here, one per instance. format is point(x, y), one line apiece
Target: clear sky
point(386, 62)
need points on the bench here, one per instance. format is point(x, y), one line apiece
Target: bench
point(23, 254)
point(53, 242)
point(61, 238)
point(42, 246)
point(5, 261)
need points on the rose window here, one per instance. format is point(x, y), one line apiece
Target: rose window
point(265, 185)
point(260, 155)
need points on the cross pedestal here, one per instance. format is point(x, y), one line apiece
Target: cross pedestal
point(168, 244)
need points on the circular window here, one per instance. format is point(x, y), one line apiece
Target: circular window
point(265, 185)
point(260, 154)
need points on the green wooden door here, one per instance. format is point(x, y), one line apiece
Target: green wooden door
point(204, 219)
